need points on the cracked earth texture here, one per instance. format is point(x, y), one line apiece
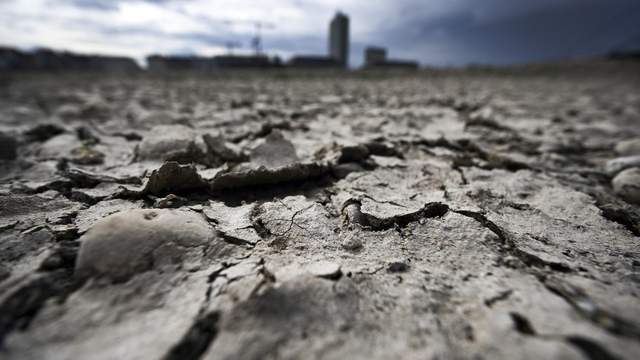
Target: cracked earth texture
point(471, 215)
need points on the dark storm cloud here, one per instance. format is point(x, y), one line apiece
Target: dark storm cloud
point(562, 29)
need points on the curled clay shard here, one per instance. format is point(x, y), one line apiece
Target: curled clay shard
point(354, 213)
point(265, 176)
point(616, 165)
point(130, 242)
point(627, 185)
point(171, 142)
point(272, 162)
point(173, 177)
point(234, 223)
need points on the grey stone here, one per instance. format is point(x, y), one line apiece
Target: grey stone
point(627, 185)
point(127, 243)
point(352, 241)
point(616, 165)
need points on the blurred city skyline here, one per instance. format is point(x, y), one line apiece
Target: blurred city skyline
point(439, 33)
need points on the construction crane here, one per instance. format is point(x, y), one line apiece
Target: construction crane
point(256, 40)
point(232, 45)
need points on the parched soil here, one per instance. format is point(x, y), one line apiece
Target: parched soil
point(479, 214)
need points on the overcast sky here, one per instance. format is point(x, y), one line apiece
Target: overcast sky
point(434, 32)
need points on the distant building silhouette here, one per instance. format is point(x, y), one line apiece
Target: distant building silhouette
point(313, 61)
point(376, 57)
point(339, 38)
point(46, 59)
point(158, 63)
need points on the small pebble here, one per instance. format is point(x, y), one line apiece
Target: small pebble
point(627, 185)
point(398, 267)
point(352, 242)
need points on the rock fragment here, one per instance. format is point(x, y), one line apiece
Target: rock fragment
point(397, 267)
point(124, 244)
point(325, 269)
point(628, 147)
point(627, 185)
point(352, 241)
point(616, 165)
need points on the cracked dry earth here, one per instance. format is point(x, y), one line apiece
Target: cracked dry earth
point(483, 216)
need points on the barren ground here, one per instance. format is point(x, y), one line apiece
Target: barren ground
point(432, 216)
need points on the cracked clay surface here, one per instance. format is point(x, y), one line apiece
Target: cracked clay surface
point(259, 216)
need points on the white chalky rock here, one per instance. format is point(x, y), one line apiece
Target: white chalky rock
point(627, 185)
point(124, 244)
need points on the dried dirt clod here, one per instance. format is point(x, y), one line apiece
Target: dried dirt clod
point(325, 269)
point(627, 185)
point(397, 267)
point(124, 244)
